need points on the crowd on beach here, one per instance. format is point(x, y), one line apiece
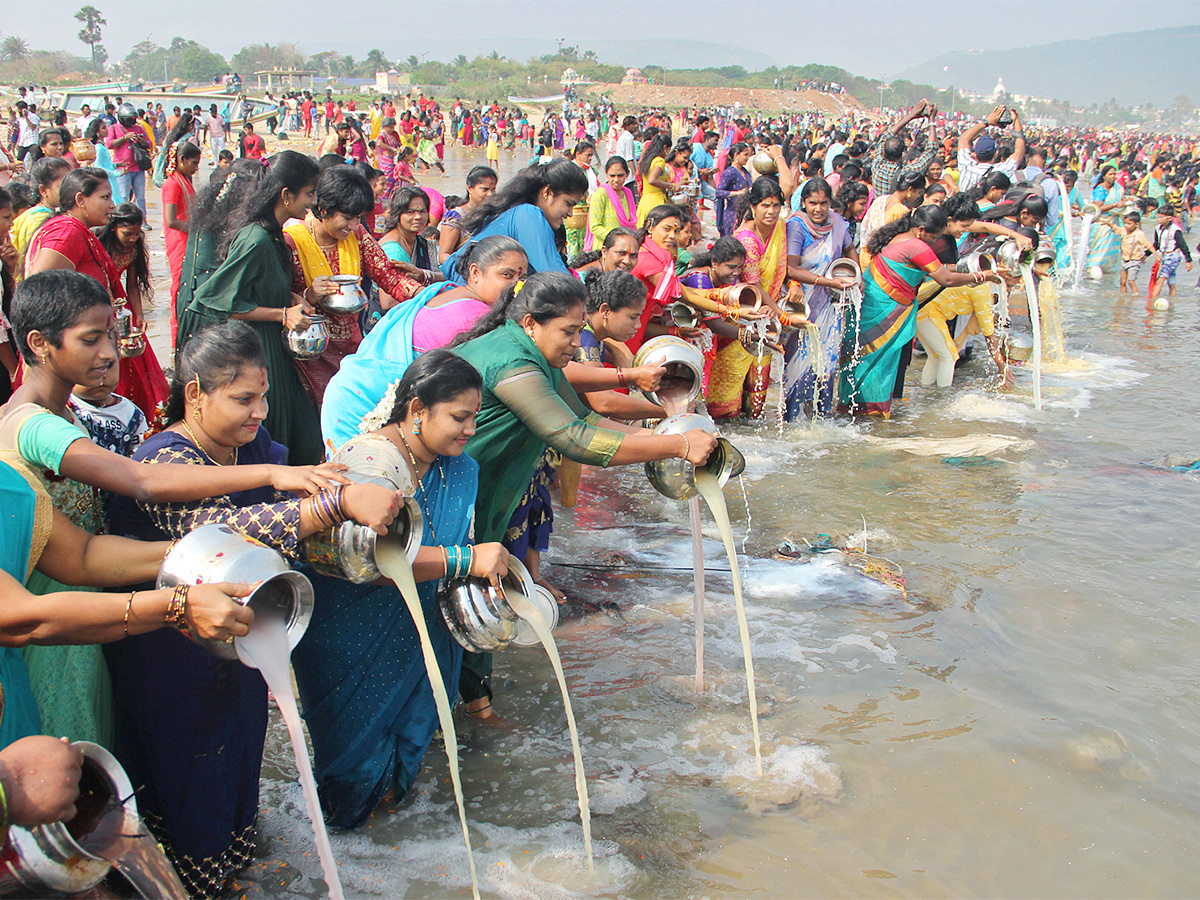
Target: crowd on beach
point(499, 338)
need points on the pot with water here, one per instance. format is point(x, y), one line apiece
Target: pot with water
point(349, 298)
point(685, 371)
point(481, 617)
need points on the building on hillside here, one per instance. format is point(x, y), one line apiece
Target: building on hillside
point(634, 76)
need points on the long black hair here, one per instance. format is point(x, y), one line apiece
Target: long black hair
point(288, 170)
point(46, 171)
point(1019, 198)
point(85, 180)
point(988, 183)
point(51, 302)
point(183, 127)
point(848, 193)
point(723, 250)
point(216, 203)
point(655, 147)
point(960, 207)
point(543, 295)
point(128, 214)
point(215, 356)
point(932, 218)
point(437, 376)
point(561, 176)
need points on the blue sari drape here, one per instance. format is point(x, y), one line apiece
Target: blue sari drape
point(365, 375)
point(366, 697)
point(17, 502)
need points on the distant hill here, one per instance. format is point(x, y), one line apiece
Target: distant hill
point(674, 54)
point(1135, 68)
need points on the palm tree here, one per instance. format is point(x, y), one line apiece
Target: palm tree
point(459, 61)
point(90, 34)
point(14, 49)
point(412, 62)
point(375, 62)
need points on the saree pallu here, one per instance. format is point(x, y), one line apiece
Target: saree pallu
point(738, 382)
point(885, 325)
point(811, 367)
point(366, 695)
point(766, 266)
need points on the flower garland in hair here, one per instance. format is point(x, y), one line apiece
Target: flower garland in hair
point(172, 158)
point(378, 417)
point(225, 187)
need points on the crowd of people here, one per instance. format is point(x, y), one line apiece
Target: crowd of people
point(498, 344)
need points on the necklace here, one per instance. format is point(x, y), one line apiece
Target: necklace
point(420, 484)
point(312, 229)
point(204, 452)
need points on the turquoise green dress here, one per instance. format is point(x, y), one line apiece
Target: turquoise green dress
point(255, 273)
point(18, 514)
point(886, 323)
point(71, 682)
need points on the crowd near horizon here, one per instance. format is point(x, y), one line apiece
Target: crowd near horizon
point(330, 286)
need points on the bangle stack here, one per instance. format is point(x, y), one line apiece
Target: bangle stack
point(621, 377)
point(327, 507)
point(458, 561)
point(979, 277)
point(177, 607)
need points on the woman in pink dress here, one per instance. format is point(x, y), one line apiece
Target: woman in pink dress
point(183, 159)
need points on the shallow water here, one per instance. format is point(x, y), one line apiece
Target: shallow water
point(1023, 724)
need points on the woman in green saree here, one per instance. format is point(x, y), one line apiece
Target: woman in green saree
point(210, 214)
point(887, 321)
point(520, 348)
point(253, 283)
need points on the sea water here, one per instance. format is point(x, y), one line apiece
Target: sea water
point(267, 646)
point(1035, 320)
point(697, 588)
point(393, 562)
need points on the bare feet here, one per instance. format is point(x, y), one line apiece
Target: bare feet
point(559, 596)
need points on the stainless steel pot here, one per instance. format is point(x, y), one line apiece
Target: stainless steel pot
point(676, 478)
point(311, 342)
point(348, 550)
point(1011, 256)
point(979, 261)
point(685, 370)
point(480, 617)
point(349, 298)
point(214, 553)
point(1090, 209)
point(684, 315)
point(1018, 348)
point(525, 636)
point(1044, 256)
point(133, 345)
point(62, 856)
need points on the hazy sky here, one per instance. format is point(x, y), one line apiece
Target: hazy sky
point(868, 37)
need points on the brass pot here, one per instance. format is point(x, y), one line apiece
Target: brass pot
point(676, 478)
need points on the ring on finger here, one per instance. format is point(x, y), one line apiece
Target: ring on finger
point(229, 639)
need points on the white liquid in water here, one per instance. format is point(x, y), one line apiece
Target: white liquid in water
point(524, 608)
point(817, 354)
point(1085, 239)
point(1035, 319)
point(267, 646)
point(698, 588)
point(710, 490)
point(393, 563)
point(147, 868)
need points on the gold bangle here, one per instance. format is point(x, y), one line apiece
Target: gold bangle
point(446, 560)
point(170, 547)
point(128, 607)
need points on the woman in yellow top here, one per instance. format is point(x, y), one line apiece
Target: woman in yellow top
point(610, 206)
point(656, 181)
point(937, 305)
point(46, 176)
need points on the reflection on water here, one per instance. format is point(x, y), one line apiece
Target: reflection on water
point(1024, 723)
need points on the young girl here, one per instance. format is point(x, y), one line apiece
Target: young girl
point(183, 159)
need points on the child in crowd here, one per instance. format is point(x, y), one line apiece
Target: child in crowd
point(1172, 250)
point(112, 421)
point(1135, 247)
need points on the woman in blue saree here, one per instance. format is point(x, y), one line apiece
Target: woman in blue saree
point(816, 236)
point(367, 698)
point(887, 321)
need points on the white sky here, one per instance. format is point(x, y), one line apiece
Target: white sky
point(868, 37)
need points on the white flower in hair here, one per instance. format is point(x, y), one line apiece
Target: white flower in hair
point(378, 417)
